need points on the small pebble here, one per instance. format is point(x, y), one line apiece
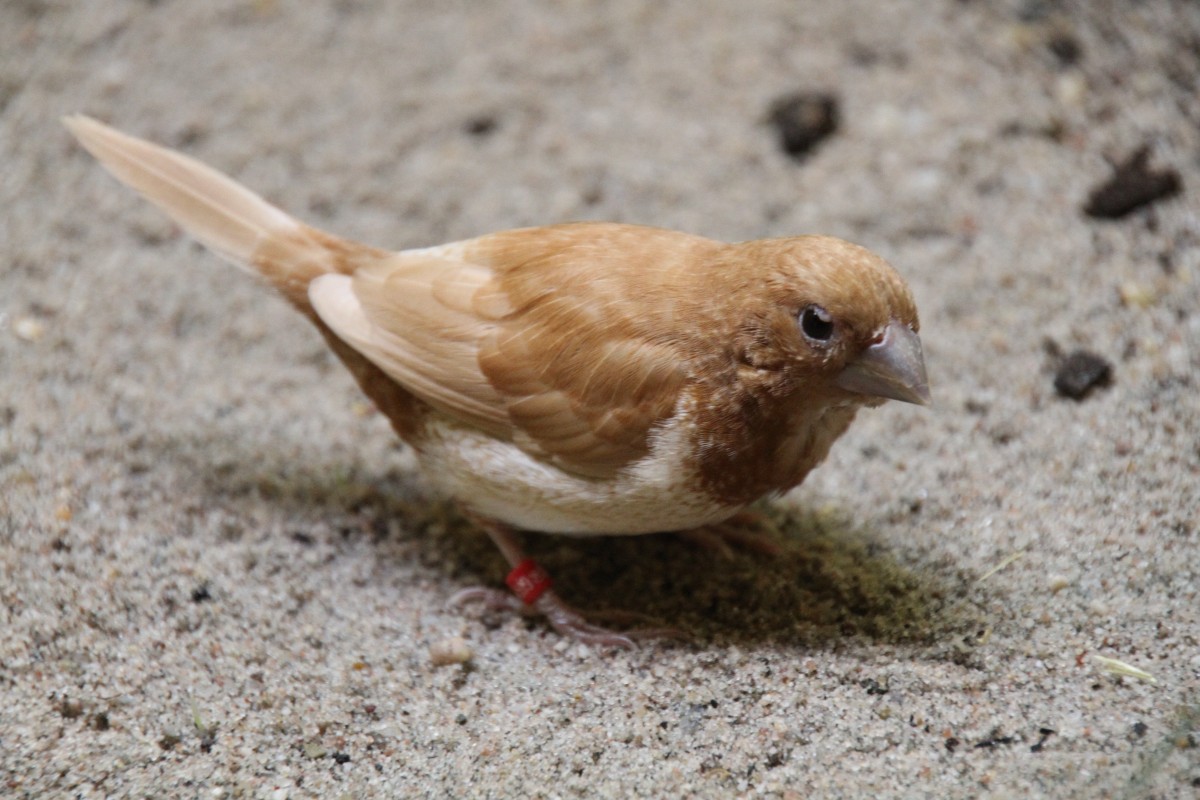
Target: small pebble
point(28, 328)
point(450, 651)
point(1071, 89)
point(1057, 583)
point(1080, 373)
point(803, 120)
point(481, 125)
point(1137, 295)
point(1066, 48)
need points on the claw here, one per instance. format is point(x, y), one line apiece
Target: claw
point(564, 618)
point(492, 599)
point(568, 620)
point(746, 530)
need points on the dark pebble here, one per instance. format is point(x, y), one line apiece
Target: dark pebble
point(994, 741)
point(70, 709)
point(481, 125)
point(190, 136)
point(302, 538)
point(1080, 372)
point(1043, 735)
point(1133, 184)
point(1065, 48)
point(803, 120)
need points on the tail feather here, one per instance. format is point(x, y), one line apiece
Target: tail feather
point(222, 214)
point(252, 233)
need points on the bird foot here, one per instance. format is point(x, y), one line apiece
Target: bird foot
point(570, 621)
point(534, 597)
point(749, 531)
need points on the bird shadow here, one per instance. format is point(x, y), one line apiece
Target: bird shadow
point(832, 582)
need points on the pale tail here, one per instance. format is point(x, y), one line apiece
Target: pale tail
point(223, 215)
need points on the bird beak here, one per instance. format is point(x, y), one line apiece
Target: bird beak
point(893, 368)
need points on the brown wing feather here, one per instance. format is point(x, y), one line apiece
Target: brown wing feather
point(540, 335)
point(411, 315)
point(584, 362)
point(587, 403)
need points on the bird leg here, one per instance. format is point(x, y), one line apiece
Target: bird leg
point(533, 595)
point(747, 530)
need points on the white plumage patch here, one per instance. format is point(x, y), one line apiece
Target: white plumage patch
point(499, 479)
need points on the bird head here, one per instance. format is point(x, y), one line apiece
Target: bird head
point(835, 320)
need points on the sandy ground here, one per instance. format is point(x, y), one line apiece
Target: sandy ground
point(222, 575)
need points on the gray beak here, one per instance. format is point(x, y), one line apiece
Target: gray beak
point(893, 368)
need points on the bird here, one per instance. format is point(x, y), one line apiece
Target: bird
point(580, 378)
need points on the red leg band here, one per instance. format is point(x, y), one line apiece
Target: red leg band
point(528, 581)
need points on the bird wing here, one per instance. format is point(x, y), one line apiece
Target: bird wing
point(411, 317)
point(521, 335)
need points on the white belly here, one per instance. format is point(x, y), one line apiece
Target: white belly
point(497, 479)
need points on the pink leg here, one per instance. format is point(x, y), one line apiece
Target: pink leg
point(563, 617)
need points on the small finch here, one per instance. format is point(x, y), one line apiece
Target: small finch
point(583, 378)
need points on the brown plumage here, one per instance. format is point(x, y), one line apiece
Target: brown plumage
point(579, 378)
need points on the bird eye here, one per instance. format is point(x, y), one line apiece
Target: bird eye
point(816, 323)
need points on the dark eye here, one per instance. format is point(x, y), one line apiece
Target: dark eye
point(816, 323)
